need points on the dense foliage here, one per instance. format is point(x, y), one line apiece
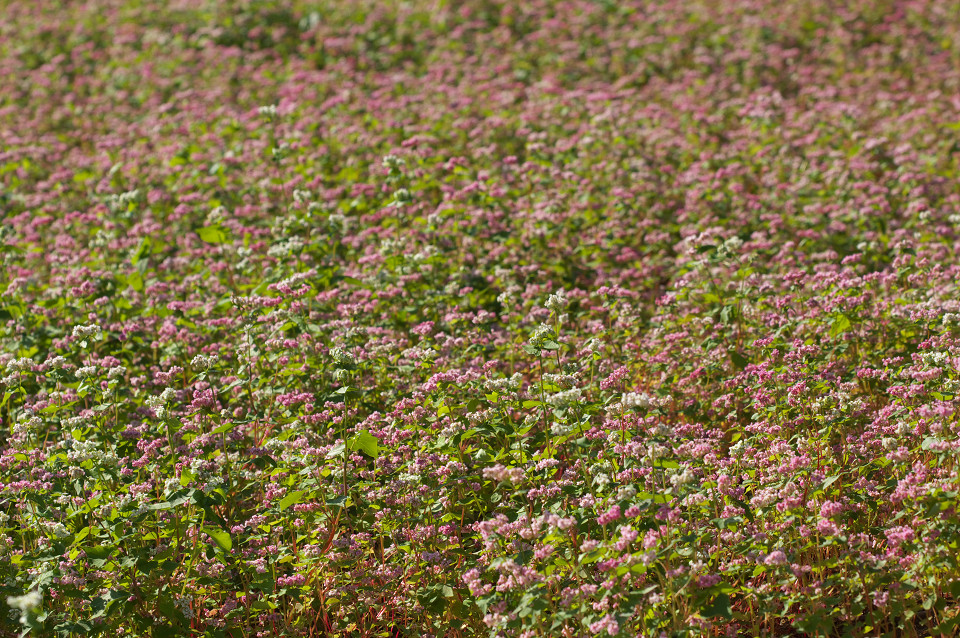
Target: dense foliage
point(479, 317)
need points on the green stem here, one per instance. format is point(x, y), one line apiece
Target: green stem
point(193, 554)
point(543, 406)
point(343, 437)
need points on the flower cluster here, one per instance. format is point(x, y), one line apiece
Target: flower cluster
point(541, 318)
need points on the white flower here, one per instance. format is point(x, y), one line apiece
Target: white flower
point(86, 372)
point(557, 301)
point(204, 362)
point(684, 478)
point(563, 399)
point(904, 428)
point(540, 335)
point(28, 602)
point(341, 357)
point(636, 400)
point(562, 380)
point(402, 196)
point(393, 162)
point(732, 245)
point(183, 602)
point(559, 428)
point(74, 422)
point(663, 429)
point(93, 330)
point(58, 529)
point(18, 365)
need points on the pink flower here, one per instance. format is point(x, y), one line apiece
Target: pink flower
point(609, 516)
point(776, 557)
point(897, 536)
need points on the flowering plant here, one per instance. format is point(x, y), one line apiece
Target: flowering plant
point(542, 318)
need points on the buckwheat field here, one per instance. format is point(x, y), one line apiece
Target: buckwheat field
point(456, 318)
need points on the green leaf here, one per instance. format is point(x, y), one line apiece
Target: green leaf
point(355, 282)
point(955, 589)
point(946, 628)
point(745, 506)
point(719, 608)
point(739, 361)
point(99, 552)
point(168, 609)
point(725, 314)
point(841, 323)
point(186, 476)
point(220, 537)
point(722, 588)
point(432, 599)
point(15, 311)
point(291, 499)
point(264, 461)
point(142, 249)
point(366, 443)
point(135, 281)
point(83, 175)
point(82, 534)
point(226, 427)
point(213, 235)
